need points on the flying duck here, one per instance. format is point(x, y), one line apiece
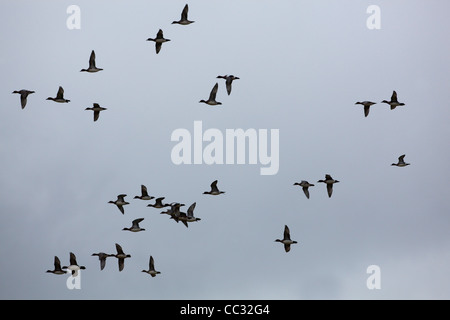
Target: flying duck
point(184, 17)
point(366, 105)
point(305, 185)
point(151, 270)
point(228, 80)
point(59, 96)
point(102, 257)
point(23, 96)
point(57, 269)
point(401, 162)
point(214, 190)
point(212, 97)
point(96, 110)
point(394, 102)
point(286, 239)
point(186, 217)
point(159, 40)
point(120, 202)
point(135, 226)
point(158, 203)
point(190, 214)
point(329, 181)
point(74, 267)
point(92, 68)
point(144, 194)
point(121, 256)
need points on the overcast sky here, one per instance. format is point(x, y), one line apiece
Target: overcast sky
point(302, 66)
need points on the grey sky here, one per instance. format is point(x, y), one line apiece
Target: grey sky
point(302, 66)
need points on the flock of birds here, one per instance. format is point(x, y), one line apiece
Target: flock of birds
point(329, 181)
point(174, 210)
point(159, 40)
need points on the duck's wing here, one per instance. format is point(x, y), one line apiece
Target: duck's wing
point(102, 261)
point(121, 197)
point(212, 95)
point(121, 262)
point(57, 263)
point(328, 177)
point(136, 222)
point(96, 114)
point(184, 13)
point(286, 234)
point(92, 60)
point(329, 189)
point(151, 264)
point(144, 190)
point(306, 191)
point(190, 210)
point(160, 35)
point(119, 249)
point(228, 84)
point(214, 186)
point(394, 97)
point(366, 110)
point(73, 259)
point(401, 158)
point(287, 247)
point(60, 93)
point(158, 46)
point(121, 208)
point(23, 99)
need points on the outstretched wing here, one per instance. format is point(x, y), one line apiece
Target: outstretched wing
point(158, 46)
point(73, 259)
point(57, 263)
point(60, 94)
point(228, 84)
point(190, 210)
point(214, 186)
point(121, 262)
point(136, 222)
point(96, 115)
point(286, 233)
point(212, 95)
point(184, 13)
point(92, 60)
point(394, 97)
point(151, 264)
point(366, 110)
point(23, 99)
point(329, 189)
point(306, 191)
point(144, 190)
point(119, 249)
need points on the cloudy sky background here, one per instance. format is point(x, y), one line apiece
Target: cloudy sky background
point(303, 65)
